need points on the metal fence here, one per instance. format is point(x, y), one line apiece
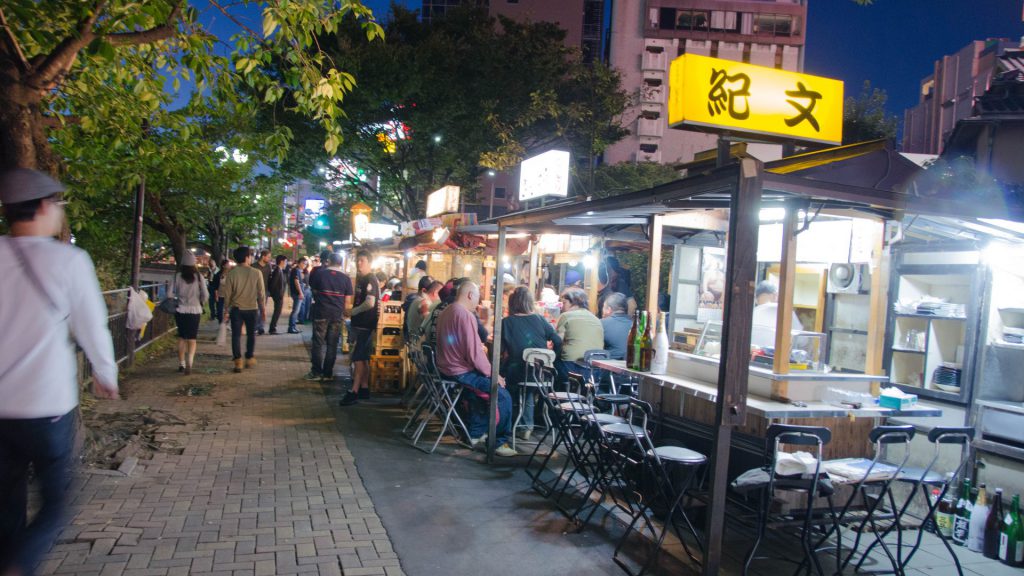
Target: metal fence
point(126, 342)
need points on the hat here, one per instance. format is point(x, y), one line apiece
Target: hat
point(188, 259)
point(23, 184)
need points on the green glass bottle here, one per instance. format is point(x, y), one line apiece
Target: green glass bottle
point(638, 342)
point(1011, 536)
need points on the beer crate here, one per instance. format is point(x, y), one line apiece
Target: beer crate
point(385, 374)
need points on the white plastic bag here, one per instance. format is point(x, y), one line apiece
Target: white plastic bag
point(793, 463)
point(222, 334)
point(139, 313)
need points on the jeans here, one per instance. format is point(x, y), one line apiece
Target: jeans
point(259, 316)
point(238, 317)
point(47, 443)
point(326, 334)
point(304, 314)
point(220, 310)
point(278, 306)
point(529, 406)
point(293, 318)
point(563, 367)
point(478, 418)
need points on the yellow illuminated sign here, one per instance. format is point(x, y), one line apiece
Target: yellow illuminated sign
point(717, 94)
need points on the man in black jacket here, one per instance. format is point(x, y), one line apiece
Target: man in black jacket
point(276, 288)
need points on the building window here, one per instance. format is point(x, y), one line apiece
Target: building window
point(499, 192)
point(693, 20)
point(667, 18)
point(773, 24)
point(725, 21)
point(648, 148)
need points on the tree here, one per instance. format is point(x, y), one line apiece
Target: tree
point(865, 118)
point(618, 179)
point(442, 103)
point(59, 60)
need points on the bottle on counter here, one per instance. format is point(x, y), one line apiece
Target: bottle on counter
point(995, 518)
point(646, 344)
point(962, 515)
point(979, 516)
point(1011, 536)
point(944, 513)
point(630, 350)
point(637, 342)
point(660, 363)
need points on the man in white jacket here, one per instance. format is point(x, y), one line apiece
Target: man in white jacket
point(40, 306)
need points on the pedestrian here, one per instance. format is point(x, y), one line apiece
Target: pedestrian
point(413, 281)
point(277, 286)
point(191, 293)
point(364, 324)
point(296, 279)
point(333, 291)
point(208, 277)
point(51, 301)
point(264, 266)
point(215, 294)
point(244, 292)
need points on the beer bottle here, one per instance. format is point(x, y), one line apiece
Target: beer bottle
point(637, 341)
point(630, 350)
point(962, 515)
point(1011, 536)
point(646, 344)
point(995, 518)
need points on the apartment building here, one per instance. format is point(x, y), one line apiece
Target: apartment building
point(644, 38)
point(947, 94)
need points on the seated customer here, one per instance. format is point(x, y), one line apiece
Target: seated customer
point(461, 357)
point(523, 329)
point(616, 324)
point(416, 310)
point(580, 331)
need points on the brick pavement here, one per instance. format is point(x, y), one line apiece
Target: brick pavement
point(263, 484)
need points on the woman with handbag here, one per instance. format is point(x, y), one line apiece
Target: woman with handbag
point(191, 292)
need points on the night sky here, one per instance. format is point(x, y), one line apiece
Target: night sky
point(892, 43)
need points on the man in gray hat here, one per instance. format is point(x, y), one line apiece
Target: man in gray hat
point(41, 306)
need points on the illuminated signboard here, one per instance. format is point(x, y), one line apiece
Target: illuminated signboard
point(546, 174)
point(315, 206)
point(443, 201)
point(723, 95)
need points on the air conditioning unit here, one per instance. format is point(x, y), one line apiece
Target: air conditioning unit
point(849, 279)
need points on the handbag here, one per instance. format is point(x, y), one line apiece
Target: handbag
point(168, 305)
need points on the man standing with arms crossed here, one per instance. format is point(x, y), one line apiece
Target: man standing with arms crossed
point(40, 306)
point(364, 325)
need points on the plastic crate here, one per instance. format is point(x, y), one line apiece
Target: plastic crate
point(385, 374)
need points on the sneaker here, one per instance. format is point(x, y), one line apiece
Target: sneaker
point(311, 375)
point(295, 331)
point(524, 434)
point(348, 399)
point(188, 370)
point(259, 332)
point(364, 393)
point(481, 441)
point(181, 368)
point(273, 332)
point(327, 378)
point(505, 450)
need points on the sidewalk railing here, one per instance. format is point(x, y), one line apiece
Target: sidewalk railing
point(127, 342)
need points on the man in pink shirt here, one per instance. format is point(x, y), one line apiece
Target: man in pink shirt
point(461, 356)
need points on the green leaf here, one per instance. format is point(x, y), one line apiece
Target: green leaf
point(269, 23)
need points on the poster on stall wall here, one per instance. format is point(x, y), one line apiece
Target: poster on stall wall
point(712, 285)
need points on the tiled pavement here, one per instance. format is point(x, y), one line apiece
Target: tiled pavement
point(264, 483)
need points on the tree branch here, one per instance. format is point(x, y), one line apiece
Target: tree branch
point(59, 61)
point(12, 44)
point(155, 34)
point(235, 20)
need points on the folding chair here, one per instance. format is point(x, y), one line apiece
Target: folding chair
point(805, 518)
point(920, 480)
point(873, 479)
point(530, 356)
point(657, 464)
point(444, 395)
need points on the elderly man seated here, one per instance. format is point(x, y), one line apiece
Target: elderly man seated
point(580, 331)
point(461, 357)
point(616, 323)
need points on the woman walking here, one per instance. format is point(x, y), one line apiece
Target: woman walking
point(191, 292)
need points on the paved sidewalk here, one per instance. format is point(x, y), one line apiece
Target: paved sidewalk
point(256, 479)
